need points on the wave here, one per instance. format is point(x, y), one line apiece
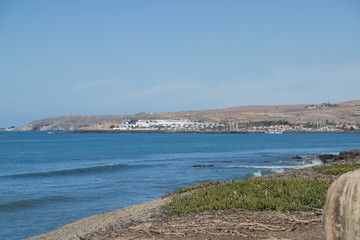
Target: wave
point(263, 167)
point(275, 169)
point(302, 164)
point(96, 169)
point(28, 203)
point(263, 172)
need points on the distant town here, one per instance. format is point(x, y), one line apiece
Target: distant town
point(274, 127)
point(317, 118)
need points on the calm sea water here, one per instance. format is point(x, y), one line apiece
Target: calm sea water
point(49, 180)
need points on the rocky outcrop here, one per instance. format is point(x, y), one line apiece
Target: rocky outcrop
point(342, 155)
point(342, 208)
point(326, 157)
point(347, 154)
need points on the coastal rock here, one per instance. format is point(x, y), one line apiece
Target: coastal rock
point(342, 208)
point(325, 157)
point(347, 154)
point(308, 162)
point(311, 157)
point(296, 157)
point(203, 165)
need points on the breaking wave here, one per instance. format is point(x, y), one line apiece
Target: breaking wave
point(263, 172)
point(275, 169)
point(263, 167)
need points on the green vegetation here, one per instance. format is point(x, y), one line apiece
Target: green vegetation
point(268, 123)
point(197, 186)
point(337, 168)
point(310, 125)
point(255, 194)
point(112, 126)
point(193, 187)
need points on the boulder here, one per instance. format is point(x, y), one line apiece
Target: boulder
point(347, 154)
point(296, 157)
point(325, 157)
point(342, 208)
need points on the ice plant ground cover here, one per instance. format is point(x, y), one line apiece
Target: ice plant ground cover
point(337, 168)
point(256, 194)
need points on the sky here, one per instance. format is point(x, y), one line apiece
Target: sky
point(86, 57)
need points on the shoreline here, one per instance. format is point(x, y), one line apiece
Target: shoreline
point(209, 132)
point(148, 220)
point(188, 131)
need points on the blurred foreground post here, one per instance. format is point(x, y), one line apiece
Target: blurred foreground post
point(342, 208)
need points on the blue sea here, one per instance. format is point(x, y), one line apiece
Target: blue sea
point(49, 180)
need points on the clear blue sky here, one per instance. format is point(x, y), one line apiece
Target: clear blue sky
point(115, 57)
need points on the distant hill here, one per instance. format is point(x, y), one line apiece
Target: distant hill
point(339, 112)
point(63, 123)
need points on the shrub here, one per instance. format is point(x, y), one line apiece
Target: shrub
point(255, 194)
point(197, 186)
point(337, 169)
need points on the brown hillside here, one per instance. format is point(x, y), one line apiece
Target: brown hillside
point(340, 112)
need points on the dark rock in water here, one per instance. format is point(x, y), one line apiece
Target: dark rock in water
point(227, 161)
point(308, 162)
point(347, 154)
point(312, 157)
point(203, 165)
point(296, 157)
point(325, 157)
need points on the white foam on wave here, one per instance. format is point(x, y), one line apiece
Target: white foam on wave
point(266, 172)
point(280, 170)
point(315, 162)
point(257, 174)
point(262, 167)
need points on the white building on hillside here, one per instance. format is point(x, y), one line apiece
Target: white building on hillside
point(163, 124)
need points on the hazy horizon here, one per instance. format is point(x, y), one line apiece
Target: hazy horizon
point(124, 57)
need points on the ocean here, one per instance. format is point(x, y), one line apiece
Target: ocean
point(49, 180)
